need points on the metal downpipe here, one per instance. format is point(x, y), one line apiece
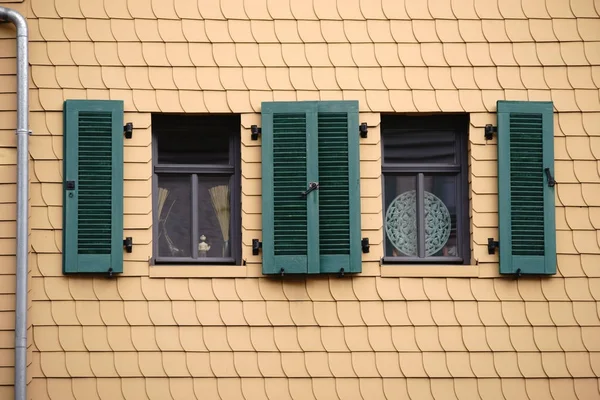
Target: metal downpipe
point(20, 22)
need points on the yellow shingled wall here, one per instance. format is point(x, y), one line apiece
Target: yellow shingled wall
point(225, 332)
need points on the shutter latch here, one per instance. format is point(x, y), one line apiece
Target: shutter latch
point(128, 244)
point(492, 245)
point(256, 246)
point(365, 245)
point(254, 132)
point(549, 177)
point(311, 186)
point(489, 131)
point(363, 129)
point(128, 130)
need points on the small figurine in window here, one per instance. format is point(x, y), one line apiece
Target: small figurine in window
point(203, 247)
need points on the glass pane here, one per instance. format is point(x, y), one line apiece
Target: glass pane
point(174, 211)
point(440, 216)
point(193, 139)
point(214, 217)
point(400, 222)
point(419, 146)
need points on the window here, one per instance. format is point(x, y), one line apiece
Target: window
point(196, 189)
point(425, 188)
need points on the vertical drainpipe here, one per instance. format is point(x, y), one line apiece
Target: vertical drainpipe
point(9, 15)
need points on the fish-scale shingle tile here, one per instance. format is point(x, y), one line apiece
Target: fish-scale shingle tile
point(411, 365)
point(585, 388)
point(381, 338)
point(302, 10)
point(388, 365)
point(562, 314)
point(348, 313)
point(443, 313)
point(410, 55)
point(538, 313)
point(246, 364)
point(357, 339)
point(333, 339)
point(302, 313)
point(578, 364)
point(89, 8)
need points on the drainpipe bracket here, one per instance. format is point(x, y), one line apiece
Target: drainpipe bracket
point(27, 131)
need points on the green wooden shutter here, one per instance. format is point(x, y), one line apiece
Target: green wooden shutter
point(289, 164)
point(339, 193)
point(93, 209)
point(525, 199)
point(304, 142)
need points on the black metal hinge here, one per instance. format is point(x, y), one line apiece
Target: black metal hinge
point(128, 244)
point(128, 130)
point(489, 131)
point(256, 246)
point(492, 245)
point(365, 245)
point(254, 132)
point(363, 129)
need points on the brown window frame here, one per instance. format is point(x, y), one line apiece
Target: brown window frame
point(394, 124)
point(221, 124)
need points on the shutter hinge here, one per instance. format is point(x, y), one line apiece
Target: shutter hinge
point(254, 132)
point(492, 245)
point(110, 273)
point(128, 130)
point(256, 245)
point(341, 273)
point(128, 244)
point(363, 129)
point(365, 245)
point(489, 131)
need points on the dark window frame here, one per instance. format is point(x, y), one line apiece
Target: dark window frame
point(233, 169)
point(459, 124)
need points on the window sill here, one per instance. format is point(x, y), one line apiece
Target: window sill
point(430, 271)
point(198, 271)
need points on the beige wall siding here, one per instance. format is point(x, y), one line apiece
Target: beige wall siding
point(226, 332)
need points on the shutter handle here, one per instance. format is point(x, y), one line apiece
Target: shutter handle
point(551, 181)
point(311, 186)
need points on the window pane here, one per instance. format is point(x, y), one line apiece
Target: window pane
point(419, 146)
point(214, 217)
point(440, 216)
point(174, 216)
point(193, 139)
point(400, 216)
